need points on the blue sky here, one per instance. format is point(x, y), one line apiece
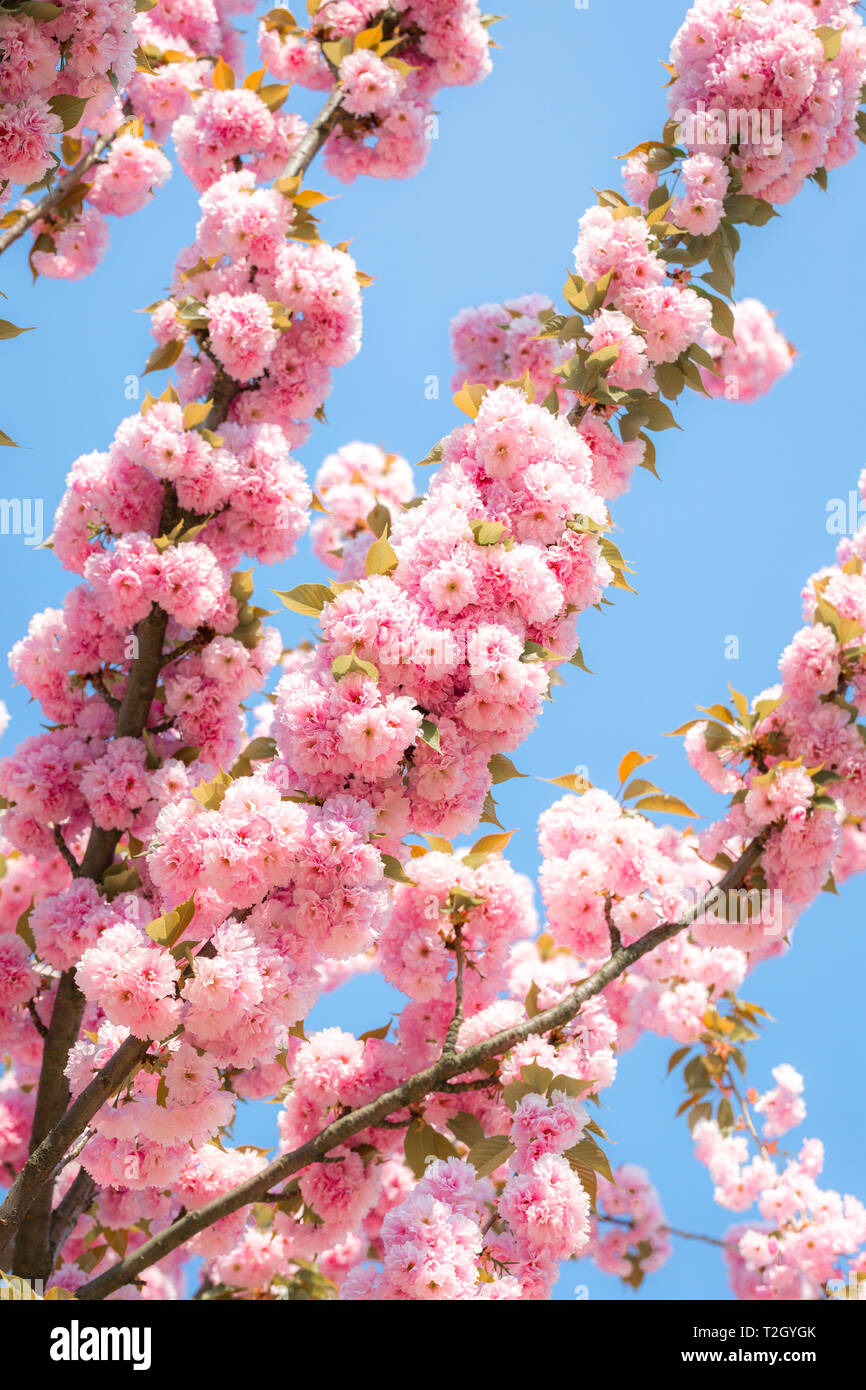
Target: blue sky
point(722, 544)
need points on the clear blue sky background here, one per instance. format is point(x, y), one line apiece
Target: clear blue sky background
point(722, 545)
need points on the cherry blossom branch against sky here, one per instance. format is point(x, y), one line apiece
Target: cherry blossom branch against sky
point(587, 387)
point(415, 1089)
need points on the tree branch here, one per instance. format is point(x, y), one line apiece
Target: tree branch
point(69, 1208)
point(55, 1127)
point(317, 134)
point(32, 1256)
point(34, 1178)
point(46, 1160)
point(409, 1092)
point(57, 194)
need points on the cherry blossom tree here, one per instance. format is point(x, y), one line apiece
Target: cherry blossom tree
point(180, 888)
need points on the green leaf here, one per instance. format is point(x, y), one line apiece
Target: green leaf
point(744, 207)
point(671, 379)
point(379, 519)
point(487, 532)
point(434, 456)
point(260, 748)
point(423, 1142)
point(483, 848)
point(41, 9)
point(591, 1155)
point(209, 795)
point(572, 782)
point(831, 39)
point(488, 813)
point(163, 357)
point(469, 398)
point(378, 1033)
point(577, 660)
point(349, 663)
point(639, 787)
point(669, 804)
point(570, 1086)
point(702, 1111)
point(430, 734)
point(120, 878)
point(537, 1077)
point(393, 869)
point(11, 330)
point(274, 94)
point(381, 557)
point(723, 314)
point(68, 109)
point(167, 929)
point(514, 1092)
point(502, 769)
point(24, 930)
point(467, 1128)
point(651, 414)
point(676, 1057)
point(308, 599)
point(489, 1154)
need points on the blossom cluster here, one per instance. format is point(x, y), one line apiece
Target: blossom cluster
point(75, 51)
point(803, 1232)
point(112, 74)
point(773, 86)
point(607, 867)
point(795, 759)
point(351, 483)
point(113, 63)
point(440, 1243)
point(388, 81)
point(441, 654)
point(496, 343)
point(749, 365)
point(630, 1238)
point(279, 312)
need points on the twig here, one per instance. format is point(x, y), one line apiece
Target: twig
point(37, 1021)
point(628, 1224)
point(64, 849)
point(456, 1088)
point(612, 929)
point(98, 682)
point(192, 644)
point(450, 1045)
